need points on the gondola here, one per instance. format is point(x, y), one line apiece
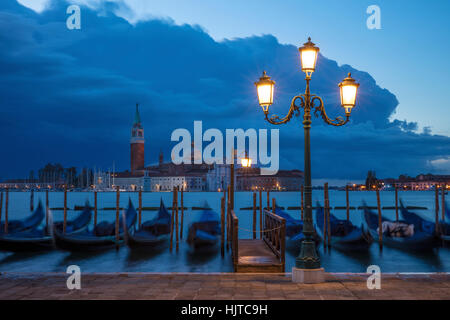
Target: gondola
point(152, 233)
point(294, 229)
point(101, 237)
point(444, 226)
point(419, 223)
point(42, 239)
point(25, 224)
point(396, 236)
point(344, 234)
point(204, 232)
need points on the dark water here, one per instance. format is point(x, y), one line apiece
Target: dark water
point(126, 260)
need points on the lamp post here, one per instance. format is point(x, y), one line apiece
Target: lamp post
point(308, 260)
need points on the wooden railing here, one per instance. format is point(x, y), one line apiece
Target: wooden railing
point(274, 234)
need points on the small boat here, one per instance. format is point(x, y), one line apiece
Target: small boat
point(294, 230)
point(152, 233)
point(344, 234)
point(25, 224)
point(101, 237)
point(42, 239)
point(419, 223)
point(204, 233)
point(444, 226)
point(401, 235)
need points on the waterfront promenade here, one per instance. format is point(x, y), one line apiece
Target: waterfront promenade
point(221, 286)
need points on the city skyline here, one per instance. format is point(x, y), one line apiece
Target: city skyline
point(78, 97)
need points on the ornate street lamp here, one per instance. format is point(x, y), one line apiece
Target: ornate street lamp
point(308, 259)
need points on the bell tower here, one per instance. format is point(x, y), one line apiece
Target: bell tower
point(137, 144)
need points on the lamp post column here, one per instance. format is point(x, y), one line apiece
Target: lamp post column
point(308, 258)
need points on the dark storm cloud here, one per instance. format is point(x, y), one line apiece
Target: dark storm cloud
point(68, 96)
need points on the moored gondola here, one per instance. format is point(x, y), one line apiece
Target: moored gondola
point(401, 235)
point(444, 226)
point(101, 237)
point(294, 230)
point(42, 239)
point(344, 234)
point(152, 233)
point(25, 224)
point(204, 232)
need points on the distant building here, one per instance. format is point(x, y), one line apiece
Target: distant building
point(249, 179)
point(421, 182)
point(137, 143)
point(164, 176)
point(218, 178)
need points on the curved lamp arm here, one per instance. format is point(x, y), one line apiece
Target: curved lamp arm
point(274, 119)
point(338, 121)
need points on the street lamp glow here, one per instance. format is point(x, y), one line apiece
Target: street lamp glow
point(307, 104)
point(308, 57)
point(246, 162)
point(349, 88)
point(264, 88)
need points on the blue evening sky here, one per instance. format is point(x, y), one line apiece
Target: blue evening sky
point(409, 55)
point(68, 96)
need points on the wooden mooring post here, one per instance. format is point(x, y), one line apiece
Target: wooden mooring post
point(140, 207)
point(380, 224)
point(396, 203)
point(172, 220)
point(32, 201)
point(95, 208)
point(325, 225)
point(254, 215)
point(260, 214)
point(231, 191)
point(327, 212)
point(176, 220)
point(117, 216)
point(1, 205)
point(436, 211)
point(46, 209)
point(347, 202)
point(65, 209)
point(302, 202)
point(6, 209)
point(222, 226)
point(443, 203)
point(182, 213)
point(227, 218)
point(274, 205)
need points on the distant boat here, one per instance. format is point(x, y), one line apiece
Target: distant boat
point(152, 233)
point(101, 237)
point(344, 234)
point(394, 234)
point(204, 232)
point(42, 239)
point(25, 224)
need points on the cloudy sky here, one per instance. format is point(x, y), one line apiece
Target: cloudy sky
point(68, 95)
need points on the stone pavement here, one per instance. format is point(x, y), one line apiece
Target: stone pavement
point(223, 286)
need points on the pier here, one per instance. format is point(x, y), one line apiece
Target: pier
point(265, 255)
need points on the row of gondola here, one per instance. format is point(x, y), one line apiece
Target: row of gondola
point(26, 235)
point(412, 232)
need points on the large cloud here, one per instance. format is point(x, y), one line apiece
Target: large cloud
point(68, 96)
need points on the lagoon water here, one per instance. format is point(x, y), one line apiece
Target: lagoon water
point(125, 260)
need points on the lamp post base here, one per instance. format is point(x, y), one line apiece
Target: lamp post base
point(308, 275)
